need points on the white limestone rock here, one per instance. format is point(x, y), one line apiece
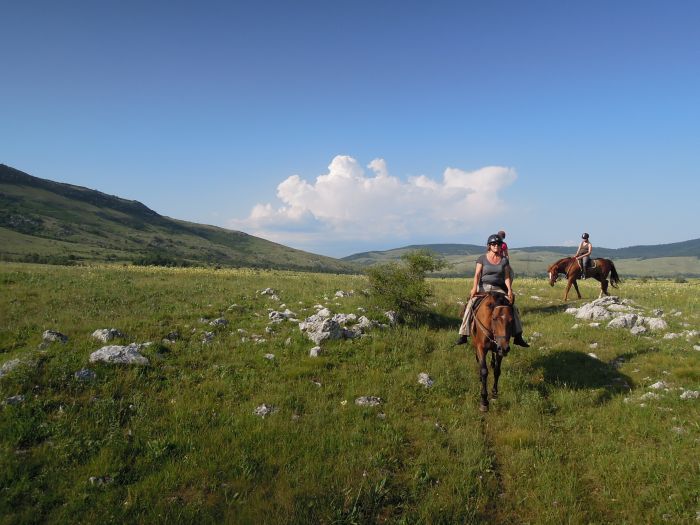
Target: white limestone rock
point(115, 354)
point(107, 334)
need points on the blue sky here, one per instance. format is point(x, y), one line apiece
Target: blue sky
point(339, 127)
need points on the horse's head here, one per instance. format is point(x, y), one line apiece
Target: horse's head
point(553, 273)
point(557, 268)
point(501, 323)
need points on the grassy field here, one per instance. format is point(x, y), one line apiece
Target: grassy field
point(573, 438)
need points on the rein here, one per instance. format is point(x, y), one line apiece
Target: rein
point(490, 336)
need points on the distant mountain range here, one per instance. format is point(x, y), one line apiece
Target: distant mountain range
point(52, 222)
point(662, 260)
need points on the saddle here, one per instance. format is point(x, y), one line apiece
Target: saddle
point(591, 264)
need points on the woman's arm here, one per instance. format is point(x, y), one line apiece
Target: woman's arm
point(590, 249)
point(509, 283)
point(477, 278)
point(578, 250)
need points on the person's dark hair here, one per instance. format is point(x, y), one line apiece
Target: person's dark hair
point(502, 234)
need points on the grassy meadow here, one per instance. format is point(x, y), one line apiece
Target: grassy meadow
point(573, 438)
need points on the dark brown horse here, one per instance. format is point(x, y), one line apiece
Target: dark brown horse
point(491, 330)
point(600, 269)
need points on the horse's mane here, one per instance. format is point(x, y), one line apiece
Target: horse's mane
point(499, 299)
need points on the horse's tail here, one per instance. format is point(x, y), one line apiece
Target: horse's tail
point(614, 278)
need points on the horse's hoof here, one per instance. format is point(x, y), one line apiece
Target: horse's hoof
point(484, 408)
point(494, 395)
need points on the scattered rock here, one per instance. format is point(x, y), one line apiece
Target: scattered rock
point(593, 345)
point(593, 312)
point(100, 480)
point(278, 317)
point(658, 312)
point(672, 335)
point(620, 308)
point(425, 380)
point(324, 312)
point(535, 335)
point(219, 322)
point(392, 316)
point(172, 336)
point(52, 336)
point(690, 394)
point(594, 325)
point(655, 323)
point(85, 374)
point(14, 400)
point(696, 348)
point(128, 355)
point(343, 319)
point(269, 357)
point(8, 366)
point(207, 337)
point(107, 334)
point(659, 385)
point(315, 351)
point(368, 401)
point(319, 328)
point(637, 330)
point(264, 410)
point(341, 293)
point(624, 321)
point(649, 395)
point(267, 291)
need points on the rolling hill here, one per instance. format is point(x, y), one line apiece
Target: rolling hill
point(46, 221)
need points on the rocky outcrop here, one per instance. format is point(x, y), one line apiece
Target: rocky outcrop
point(125, 355)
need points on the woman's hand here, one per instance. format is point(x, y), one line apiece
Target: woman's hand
point(472, 293)
point(511, 296)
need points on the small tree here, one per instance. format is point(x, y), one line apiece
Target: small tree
point(401, 286)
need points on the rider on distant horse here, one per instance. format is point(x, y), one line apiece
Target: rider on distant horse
point(492, 274)
point(583, 254)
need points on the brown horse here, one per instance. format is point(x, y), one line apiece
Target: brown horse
point(570, 268)
point(491, 330)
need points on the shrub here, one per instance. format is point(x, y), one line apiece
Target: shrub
point(401, 286)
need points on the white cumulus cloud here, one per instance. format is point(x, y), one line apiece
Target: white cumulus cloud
point(347, 204)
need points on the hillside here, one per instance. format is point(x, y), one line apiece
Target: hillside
point(46, 221)
point(663, 260)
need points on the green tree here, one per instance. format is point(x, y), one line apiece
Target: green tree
point(401, 286)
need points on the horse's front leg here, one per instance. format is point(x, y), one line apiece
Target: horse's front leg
point(496, 367)
point(484, 375)
point(568, 287)
point(577, 290)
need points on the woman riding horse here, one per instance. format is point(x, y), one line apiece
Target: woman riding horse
point(569, 267)
point(583, 254)
point(492, 274)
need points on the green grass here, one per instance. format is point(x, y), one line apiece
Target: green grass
point(568, 441)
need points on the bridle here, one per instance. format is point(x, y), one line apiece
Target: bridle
point(557, 271)
point(490, 335)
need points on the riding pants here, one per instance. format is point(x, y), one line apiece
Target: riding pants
point(584, 262)
point(469, 313)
